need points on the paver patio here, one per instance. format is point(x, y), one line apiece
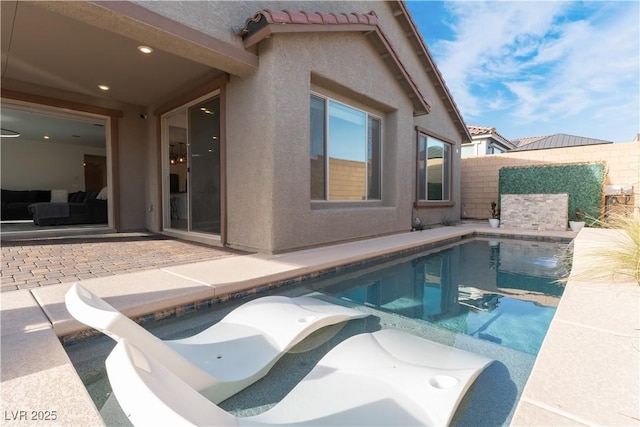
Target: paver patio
point(41, 262)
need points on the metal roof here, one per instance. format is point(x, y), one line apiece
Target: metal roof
point(559, 140)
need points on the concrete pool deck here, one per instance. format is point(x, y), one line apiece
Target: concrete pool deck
point(587, 372)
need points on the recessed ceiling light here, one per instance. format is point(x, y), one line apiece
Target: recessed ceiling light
point(103, 87)
point(145, 49)
point(46, 137)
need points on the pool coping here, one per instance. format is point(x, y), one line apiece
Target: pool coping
point(37, 375)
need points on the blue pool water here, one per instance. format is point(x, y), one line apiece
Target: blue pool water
point(499, 291)
point(492, 297)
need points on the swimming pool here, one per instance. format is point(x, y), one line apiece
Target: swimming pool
point(436, 294)
point(501, 291)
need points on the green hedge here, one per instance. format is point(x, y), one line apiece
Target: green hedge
point(582, 181)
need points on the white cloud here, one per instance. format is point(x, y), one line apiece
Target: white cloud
point(544, 62)
point(486, 36)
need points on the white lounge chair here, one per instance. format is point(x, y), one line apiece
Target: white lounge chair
point(387, 378)
point(228, 356)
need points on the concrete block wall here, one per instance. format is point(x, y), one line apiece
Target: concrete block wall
point(479, 175)
point(347, 179)
point(535, 211)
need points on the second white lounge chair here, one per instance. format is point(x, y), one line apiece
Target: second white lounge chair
point(231, 354)
point(386, 378)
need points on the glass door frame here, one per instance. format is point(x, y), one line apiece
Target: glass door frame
point(165, 173)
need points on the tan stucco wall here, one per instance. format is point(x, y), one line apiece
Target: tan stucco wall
point(480, 174)
point(223, 19)
point(220, 19)
point(269, 207)
point(268, 144)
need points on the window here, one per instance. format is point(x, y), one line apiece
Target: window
point(468, 150)
point(434, 169)
point(345, 152)
point(493, 149)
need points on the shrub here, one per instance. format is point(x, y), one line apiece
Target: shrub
point(620, 256)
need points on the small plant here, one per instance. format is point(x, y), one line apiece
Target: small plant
point(447, 222)
point(495, 212)
point(578, 215)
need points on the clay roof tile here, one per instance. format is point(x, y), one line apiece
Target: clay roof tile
point(314, 18)
point(297, 17)
point(328, 18)
point(274, 16)
point(341, 18)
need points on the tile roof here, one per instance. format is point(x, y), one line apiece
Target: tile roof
point(559, 140)
point(481, 130)
point(267, 22)
point(268, 16)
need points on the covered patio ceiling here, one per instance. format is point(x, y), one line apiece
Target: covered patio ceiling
point(49, 49)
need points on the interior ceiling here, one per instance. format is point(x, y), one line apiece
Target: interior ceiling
point(34, 125)
point(48, 49)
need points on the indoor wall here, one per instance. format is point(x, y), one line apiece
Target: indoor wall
point(38, 165)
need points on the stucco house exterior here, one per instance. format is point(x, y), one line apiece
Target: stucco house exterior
point(265, 126)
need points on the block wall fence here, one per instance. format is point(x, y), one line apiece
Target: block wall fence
point(479, 175)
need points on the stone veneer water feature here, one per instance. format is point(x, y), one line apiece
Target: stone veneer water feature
point(535, 211)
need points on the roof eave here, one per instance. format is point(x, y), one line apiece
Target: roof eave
point(423, 53)
point(372, 31)
point(269, 29)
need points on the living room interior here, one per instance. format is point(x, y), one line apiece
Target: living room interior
point(54, 170)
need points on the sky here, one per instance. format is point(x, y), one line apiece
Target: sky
point(534, 68)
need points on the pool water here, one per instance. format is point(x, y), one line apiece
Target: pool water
point(495, 298)
point(500, 291)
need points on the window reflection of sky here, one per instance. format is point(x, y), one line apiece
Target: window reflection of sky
point(347, 132)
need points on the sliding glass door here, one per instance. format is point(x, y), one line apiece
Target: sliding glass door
point(204, 166)
point(192, 185)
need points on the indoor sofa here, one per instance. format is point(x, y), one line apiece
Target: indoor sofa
point(80, 207)
point(15, 203)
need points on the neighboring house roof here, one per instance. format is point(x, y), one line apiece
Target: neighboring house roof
point(486, 131)
point(480, 132)
point(519, 142)
point(267, 22)
point(559, 140)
